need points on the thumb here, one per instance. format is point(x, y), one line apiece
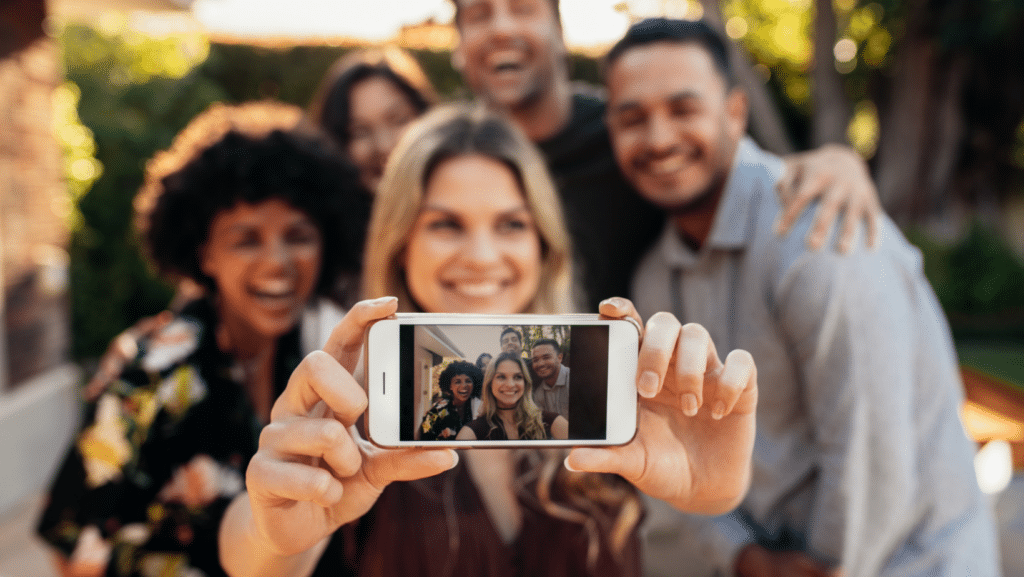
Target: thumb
point(387, 465)
point(346, 340)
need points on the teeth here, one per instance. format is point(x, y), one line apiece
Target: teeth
point(267, 296)
point(667, 165)
point(274, 287)
point(504, 59)
point(480, 289)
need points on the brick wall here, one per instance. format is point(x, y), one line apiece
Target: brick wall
point(33, 209)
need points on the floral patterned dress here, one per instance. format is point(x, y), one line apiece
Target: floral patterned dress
point(442, 421)
point(161, 454)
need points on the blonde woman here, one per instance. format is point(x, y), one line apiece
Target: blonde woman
point(408, 234)
point(508, 411)
point(466, 221)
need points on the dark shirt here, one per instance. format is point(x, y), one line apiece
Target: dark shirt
point(444, 420)
point(179, 399)
point(440, 526)
point(611, 225)
point(495, 432)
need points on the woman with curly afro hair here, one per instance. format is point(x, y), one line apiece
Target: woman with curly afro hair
point(264, 219)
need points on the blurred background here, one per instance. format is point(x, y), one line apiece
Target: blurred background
point(930, 92)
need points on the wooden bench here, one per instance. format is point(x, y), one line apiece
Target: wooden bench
point(994, 410)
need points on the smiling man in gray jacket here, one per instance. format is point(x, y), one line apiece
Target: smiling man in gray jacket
point(861, 465)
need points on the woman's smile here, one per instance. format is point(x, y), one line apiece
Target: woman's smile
point(474, 246)
point(265, 261)
point(508, 384)
point(461, 387)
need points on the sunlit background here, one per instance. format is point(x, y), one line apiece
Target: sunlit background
point(931, 98)
point(587, 22)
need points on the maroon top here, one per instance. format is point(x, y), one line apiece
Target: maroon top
point(485, 431)
point(439, 527)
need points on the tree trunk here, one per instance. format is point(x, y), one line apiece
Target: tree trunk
point(921, 132)
point(832, 108)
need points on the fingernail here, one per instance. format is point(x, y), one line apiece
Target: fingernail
point(614, 301)
point(719, 411)
point(648, 385)
point(382, 300)
point(570, 467)
point(455, 458)
point(690, 405)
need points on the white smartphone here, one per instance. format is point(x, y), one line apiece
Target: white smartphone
point(554, 380)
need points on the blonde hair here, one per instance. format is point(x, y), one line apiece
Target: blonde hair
point(606, 506)
point(527, 413)
point(453, 131)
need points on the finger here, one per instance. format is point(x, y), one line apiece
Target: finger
point(824, 218)
point(656, 350)
point(624, 461)
point(695, 356)
point(807, 189)
point(346, 340)
point(791, 175)
point(388, 465)
point(320, 377)
point(620, 308)
point(738, 375)
point(274, 479)
point(325, 439)
point(874, 217)
point(848, 234)
point(149, 326)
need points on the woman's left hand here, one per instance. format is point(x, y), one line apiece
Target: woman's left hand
point(695, 431)
point(839, 179)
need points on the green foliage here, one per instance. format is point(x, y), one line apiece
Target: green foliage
point(78, 148)
point(979, 282)
point(134, 93)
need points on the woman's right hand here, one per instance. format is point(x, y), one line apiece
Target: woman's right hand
point(313, 471)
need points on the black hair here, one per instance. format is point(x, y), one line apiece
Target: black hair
point(511, 330)
point(554, 344)
point(651, 30)
point(456, 368)
point(480, 364)
point(213, 176)
point(333, 113)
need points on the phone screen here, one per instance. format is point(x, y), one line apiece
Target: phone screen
point(453, 376)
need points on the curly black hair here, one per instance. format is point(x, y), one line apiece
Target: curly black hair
point(249, 154)
point(461, 368)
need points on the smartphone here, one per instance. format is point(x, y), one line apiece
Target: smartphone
point(576, 374)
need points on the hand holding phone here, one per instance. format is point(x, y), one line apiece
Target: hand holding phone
point(313, 471)
point(696, 428)
point(550, 380)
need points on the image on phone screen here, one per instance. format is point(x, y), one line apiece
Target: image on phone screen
point(503, 382)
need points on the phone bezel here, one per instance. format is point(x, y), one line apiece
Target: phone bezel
point(382, 367)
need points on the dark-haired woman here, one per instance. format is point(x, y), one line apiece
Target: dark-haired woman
point(251, 212)
point(365, 103)
point(483, 360)
point(459, 382)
